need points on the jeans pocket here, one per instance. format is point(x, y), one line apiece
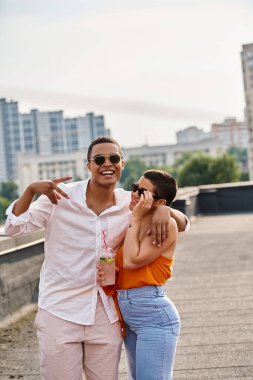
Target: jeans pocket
point(142, 304)
point(170, 317)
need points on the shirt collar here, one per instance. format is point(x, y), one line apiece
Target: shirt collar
point(121, 196)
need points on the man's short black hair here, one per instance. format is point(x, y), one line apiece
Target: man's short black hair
point(164, 183)
point(102, 140)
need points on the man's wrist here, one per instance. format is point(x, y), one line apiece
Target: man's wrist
point(29, 191)
point(135, 219)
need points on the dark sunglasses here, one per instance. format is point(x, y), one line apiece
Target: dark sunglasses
point(100, 159)
point(135, 187)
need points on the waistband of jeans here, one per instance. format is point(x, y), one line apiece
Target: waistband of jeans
point(150, 289)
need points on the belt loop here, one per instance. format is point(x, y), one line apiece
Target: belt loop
point(159, 289)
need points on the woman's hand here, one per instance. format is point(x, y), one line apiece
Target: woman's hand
point(143, 206)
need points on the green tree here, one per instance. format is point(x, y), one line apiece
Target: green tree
point(195, 171)
point(241, 155)
point(224, 169)
point(4, 204)
point(180, 161)
point(244, 176)
point(202, 169)
point(184, 157)
point(133, 170)
point(9, 190)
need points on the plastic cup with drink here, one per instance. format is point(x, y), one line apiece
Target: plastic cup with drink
point(107, 263)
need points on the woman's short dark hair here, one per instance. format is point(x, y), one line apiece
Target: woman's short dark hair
point(102, 140)
point(164, 183)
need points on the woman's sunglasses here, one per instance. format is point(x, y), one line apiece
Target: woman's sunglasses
point(135, 187)
point(100, 159)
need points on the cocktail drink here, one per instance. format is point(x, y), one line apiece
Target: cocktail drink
point(107, 263)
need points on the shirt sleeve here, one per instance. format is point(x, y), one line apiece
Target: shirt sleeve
point(35, 218)
point(188, 224)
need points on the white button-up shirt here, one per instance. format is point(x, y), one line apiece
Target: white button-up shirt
point(73, 243)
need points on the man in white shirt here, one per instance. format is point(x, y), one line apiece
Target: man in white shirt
point(77, 324)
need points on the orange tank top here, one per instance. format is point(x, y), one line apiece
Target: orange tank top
point(155, 273)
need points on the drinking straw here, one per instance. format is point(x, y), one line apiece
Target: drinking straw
point(104, 239)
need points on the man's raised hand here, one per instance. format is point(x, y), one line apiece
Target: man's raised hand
point(50, 188)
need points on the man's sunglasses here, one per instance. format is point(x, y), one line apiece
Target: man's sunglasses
point(100, 159)
point(135, 187)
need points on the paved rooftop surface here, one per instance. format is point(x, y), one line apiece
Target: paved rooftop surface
point(212, 287)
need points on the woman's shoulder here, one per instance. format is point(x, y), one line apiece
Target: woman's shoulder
point(173, 231)
point(173, 226)
point(169, 244)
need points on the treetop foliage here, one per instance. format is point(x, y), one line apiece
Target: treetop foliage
point(190, 169)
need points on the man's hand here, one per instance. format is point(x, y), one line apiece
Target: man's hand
point(49, 188)
point(160, 225)
point(101, 274)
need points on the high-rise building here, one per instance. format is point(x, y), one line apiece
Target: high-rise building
point(231, 132)
point(29, 132)
point(3, 158)
point(80, 131)
point(42, 133)
point(51, 136)
point(247, 66)
point(10, 139)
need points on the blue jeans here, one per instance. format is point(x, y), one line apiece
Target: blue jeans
point(152, 330)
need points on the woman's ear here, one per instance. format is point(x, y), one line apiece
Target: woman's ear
point(161, 202)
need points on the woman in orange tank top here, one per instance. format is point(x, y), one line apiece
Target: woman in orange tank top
point(151, 319)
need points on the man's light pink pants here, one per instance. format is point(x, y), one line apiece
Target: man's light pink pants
point(69, 350)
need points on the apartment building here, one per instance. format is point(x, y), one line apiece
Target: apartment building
point(158, 155)
point(247, 67)
point(11, 139)
point(42, 133)
point(231, 132)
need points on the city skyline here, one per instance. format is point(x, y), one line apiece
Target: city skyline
point(48, 145)
point(154, 68)
point(28, 112)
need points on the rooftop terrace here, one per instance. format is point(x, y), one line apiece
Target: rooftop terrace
point(212, 288)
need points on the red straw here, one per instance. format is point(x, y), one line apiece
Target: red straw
point(106, 248)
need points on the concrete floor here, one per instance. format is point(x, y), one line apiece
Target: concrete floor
point(212, 288)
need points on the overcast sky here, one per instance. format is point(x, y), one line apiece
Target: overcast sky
point(151, 67)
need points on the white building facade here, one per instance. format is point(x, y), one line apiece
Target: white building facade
point(34, 167)
point(191, 134)
point(158, 155)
